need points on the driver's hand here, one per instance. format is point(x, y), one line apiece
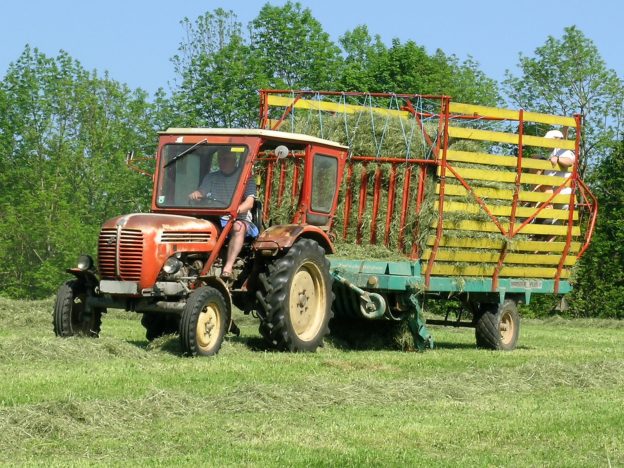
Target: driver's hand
point(196, 195)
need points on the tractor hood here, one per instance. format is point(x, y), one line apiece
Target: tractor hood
point(134, 247)
point(159, 222)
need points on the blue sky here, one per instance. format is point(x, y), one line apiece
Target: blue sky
point(134, 39)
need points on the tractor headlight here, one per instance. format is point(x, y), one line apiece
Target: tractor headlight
point(172, 265)
point(84, 263)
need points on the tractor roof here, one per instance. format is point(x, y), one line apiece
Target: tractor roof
point(267, 134)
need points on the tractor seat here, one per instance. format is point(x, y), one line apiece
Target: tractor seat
point(256, 215)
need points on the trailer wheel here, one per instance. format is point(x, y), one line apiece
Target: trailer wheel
point(70, 317)
point(296, 296)
point(204, 322)
point(159, 324)
point(497, 326)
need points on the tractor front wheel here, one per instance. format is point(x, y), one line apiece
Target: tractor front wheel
point(204, 322)
point(71, 316)
point(497, 326)
point(296, 297)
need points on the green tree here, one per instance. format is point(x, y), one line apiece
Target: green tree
point(293, 48)
point(567, 76)
point(407, 68)
point(360, 51)
point(599, 289)
point(65, 132)
point(218, 74)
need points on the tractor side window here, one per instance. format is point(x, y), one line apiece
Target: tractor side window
point(324, 183)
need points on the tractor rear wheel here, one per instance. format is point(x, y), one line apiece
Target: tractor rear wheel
point(70, 316)
point(497, 326)
point(295, 293)
point(204, 322)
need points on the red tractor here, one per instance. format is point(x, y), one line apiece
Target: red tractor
point(168, 264)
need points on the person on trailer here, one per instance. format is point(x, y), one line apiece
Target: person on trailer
point(561, 160)
point(220, 185)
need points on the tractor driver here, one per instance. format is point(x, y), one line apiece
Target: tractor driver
point(220, 185)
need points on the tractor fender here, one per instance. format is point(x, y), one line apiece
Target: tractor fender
point(86, 276)
point(280, 238)
point(220, 286)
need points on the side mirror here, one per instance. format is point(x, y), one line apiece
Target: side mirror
point(131, 162)
point(281, 152)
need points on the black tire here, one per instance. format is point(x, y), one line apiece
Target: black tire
point(497, 326)
point(204, 322)
point(70, 317)
point(295, 295)
point(158, 324)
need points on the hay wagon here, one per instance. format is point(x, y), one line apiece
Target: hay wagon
point(438, 199)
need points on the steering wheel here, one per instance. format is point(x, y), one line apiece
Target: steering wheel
point(197, 202)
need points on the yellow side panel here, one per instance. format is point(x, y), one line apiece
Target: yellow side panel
point(512, 138)
point(516, 272)
point(497, 160)
point(502, 194)
point(488, 226)
point(502, 210)
point(548, 142)
point(281, 101)
point(492, 257)
point(506, 176)
point(483, 135)
point(508, 114)
point(497, 244)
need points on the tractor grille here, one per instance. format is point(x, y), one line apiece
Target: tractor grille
point(130, 254)
point(181, 236)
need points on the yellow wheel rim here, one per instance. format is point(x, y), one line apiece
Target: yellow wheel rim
point(507, 328)
point(208, 327)
point(307, 301)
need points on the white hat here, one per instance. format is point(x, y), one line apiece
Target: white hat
point(553, 134)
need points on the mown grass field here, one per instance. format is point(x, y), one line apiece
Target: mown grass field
point(558, 400)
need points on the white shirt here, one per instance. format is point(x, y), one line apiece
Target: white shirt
point(561, 153)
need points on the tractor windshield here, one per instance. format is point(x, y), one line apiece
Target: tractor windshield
point(200, 175)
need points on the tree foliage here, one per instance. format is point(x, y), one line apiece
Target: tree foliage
point(599, 289)
point(218, 74)
point(293, 48)
point(220, 69)
point(64, 134)
point(568, 76)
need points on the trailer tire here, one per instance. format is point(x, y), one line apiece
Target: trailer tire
point(69, 317)
point(204, 322)
point(295, 294)
point(497, 326)
point(158, 324)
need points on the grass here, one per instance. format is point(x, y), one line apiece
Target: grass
point(116, 400)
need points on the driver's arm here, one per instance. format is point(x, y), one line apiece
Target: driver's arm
point(196, 195)
point(199, 193)
point(246, 205)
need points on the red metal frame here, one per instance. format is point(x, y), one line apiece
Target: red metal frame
point(404, 206)
point(348, 200)
point(362, 203)
point(443, 165)
point(376, 191)
point(390, 212)
point(422, 178)
point(268, 188)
